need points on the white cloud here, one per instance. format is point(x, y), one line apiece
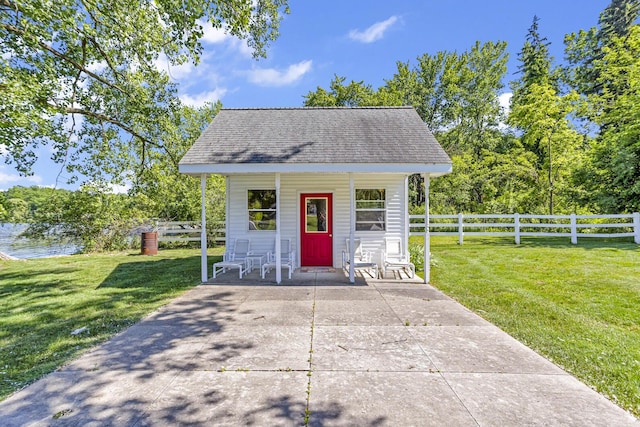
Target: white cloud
point(273, 77)
point(198, 100)
point(14, 178)
point(212, 35)
point(241, 47)
point(176, 72)
point(374, 32)
point(119, 189)
point(504, 100)
point(96, 67)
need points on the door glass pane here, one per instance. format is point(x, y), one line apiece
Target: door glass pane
point(316, 215)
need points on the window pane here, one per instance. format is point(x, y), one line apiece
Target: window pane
point(262, 220)
point(316, 220)
point(370, 220)
point(262, 199)
point(370, 209)
point(261, 205)
point(370, 194)
point(370, 204)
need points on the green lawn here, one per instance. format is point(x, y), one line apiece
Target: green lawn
point(43, 300)
point(577, 305)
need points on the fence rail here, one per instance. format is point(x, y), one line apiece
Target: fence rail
point(461, 225)
point(519, 225)
point(188, 231)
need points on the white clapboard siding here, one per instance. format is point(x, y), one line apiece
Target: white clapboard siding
point(293, 185)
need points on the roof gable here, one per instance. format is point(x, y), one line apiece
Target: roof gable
point(318, 136)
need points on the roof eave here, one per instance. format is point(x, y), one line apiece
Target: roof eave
point(431, 169)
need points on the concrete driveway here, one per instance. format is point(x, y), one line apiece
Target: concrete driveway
point(386, 353)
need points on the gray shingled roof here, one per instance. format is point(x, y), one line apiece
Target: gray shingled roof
point(379, 135)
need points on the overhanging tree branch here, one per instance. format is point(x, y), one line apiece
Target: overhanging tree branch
point(123, 126)
point(60, 55)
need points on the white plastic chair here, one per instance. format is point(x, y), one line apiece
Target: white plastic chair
point(363, 260)
point(287, 258)
point(234, 257)
point(395, 258)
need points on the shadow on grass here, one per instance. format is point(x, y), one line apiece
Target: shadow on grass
point(42, 302)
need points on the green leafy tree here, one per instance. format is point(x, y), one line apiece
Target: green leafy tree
point(4, 214)
point(602, 64)
point(541, 114)
point(457, 97)
point(616, 151)
point(175, 196)
point(426, 85)
point(585, 47)
point(80, 77)
point(22, 203)
point(97, 219)
point(354, 94)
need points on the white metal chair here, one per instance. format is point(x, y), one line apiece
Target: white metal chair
point(234, 257)
point(363, 260)
point(287, 258)
point(395, 258)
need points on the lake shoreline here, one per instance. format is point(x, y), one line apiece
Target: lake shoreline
point(13, 244)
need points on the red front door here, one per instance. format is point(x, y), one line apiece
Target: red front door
point(316, 236)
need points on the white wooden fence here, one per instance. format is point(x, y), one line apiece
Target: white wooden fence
point(520, 225)
point(510, 225)
point(187, 231)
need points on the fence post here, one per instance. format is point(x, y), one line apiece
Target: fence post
point(574, 230)
point(636, 227)
point(460, 229)
point(516, 219)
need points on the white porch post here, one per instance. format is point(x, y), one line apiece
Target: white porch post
point(427, 237)
point(203, 233)
point(352, 228)
point(278, 248)
point(227, 211)
point(407, 218)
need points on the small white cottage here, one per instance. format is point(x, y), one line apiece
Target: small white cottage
point(317, 176)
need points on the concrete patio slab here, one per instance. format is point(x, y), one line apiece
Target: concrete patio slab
point(256, 348)
point(385, 399)
point(274, 312)
point(111, 397)
point(347, 293)
point(419, 312)
point(423, 292)
point(479, 349)
point(231, 399)
point(308, 353)
point(350, 313)
point(283, 293)
point(367, 348)
point(540, 400)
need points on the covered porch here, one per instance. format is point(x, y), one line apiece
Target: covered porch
point(313, 276)
point(323, 182)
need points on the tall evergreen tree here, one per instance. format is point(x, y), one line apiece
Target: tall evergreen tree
point(540, 113)
point(585, 47)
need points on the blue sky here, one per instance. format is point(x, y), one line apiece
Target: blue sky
point(357, 39)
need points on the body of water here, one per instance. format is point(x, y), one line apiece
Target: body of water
point(12, 244)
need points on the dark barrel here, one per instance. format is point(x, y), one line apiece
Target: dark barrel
point(149, 243)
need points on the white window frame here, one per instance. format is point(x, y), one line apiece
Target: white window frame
point(262, 209)
point(373, 225)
